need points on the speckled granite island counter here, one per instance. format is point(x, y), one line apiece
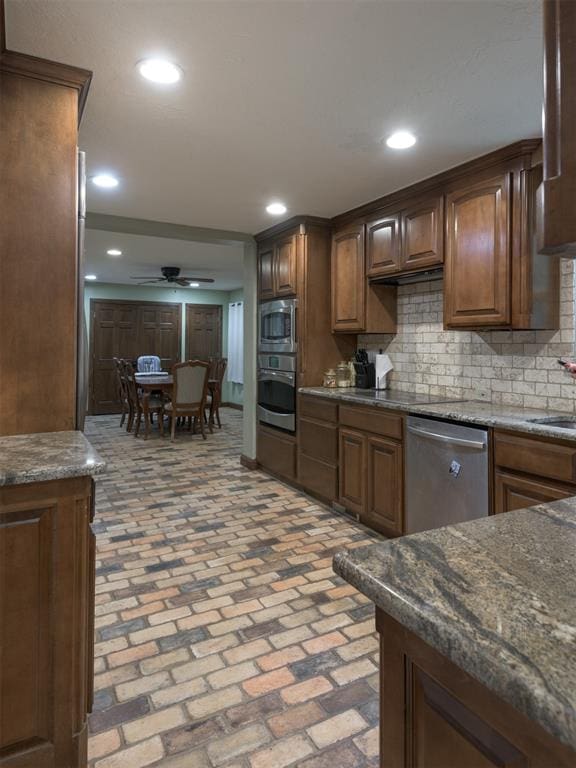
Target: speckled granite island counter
point(478, 627)
point(47, 456)
point(47, 577)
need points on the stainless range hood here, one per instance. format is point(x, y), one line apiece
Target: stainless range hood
point(414, 277)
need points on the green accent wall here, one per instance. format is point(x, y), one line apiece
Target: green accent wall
point(231, 392)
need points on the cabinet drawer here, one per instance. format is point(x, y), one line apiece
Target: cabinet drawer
point(513, 492)
point(317, 477)
point(318, 440)
point(277, 453)
point(316, 408)
point(372, 420)
point(535, 457)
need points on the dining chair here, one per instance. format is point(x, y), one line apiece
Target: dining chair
point(217, 370)
point(122, 390)
point(149, 364)
point(155, 404)
point(188, 394)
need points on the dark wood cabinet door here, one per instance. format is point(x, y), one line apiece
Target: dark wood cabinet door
point(348, 280)
point(352, 474)
point(477, 275)
point(423, 234)
point(513, 492)
point(384, 502)
point(383, 246)
point(203, 331)
point(266, 273)
point(434, 715)
point(284, 266)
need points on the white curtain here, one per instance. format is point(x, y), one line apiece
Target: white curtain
point(236, 342)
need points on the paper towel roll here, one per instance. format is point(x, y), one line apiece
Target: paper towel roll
point(383, 367)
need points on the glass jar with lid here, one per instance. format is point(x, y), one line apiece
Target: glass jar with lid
point(330, 378)
point(343, 374)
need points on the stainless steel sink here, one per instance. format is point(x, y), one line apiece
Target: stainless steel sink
point(553, 421)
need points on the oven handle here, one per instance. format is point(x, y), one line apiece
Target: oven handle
point(289, 378)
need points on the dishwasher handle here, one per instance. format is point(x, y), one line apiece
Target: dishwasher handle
point(479, 445)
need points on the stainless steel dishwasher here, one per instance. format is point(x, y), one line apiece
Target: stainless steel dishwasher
point(446, 473)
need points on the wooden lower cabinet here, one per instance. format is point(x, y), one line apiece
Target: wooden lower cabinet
point(371, 476)
point(276, 452)
point(515, 492)
point(318, 451)
point(384, 498)
point(352, 476)
point(434, 715)
point(47, 560)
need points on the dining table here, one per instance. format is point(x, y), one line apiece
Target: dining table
point(164, 383)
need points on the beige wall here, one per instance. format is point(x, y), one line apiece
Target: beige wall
point(510, 367)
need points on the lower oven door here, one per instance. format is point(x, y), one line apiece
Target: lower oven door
point(277, 399)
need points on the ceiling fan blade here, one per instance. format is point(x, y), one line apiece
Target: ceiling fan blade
point(145, 282)
point(146, 277)
point(196, 279)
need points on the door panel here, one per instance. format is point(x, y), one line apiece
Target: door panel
point(352, 475)
point(512, 492)
point(383, 246)
point(348, 280)
point(285, 266)
point(385, 479)
point(203, 331)
point(127, 330)
point(477, 273)
point(266, 273)
point(422, 235)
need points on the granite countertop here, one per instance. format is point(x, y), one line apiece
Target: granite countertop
point(47, 456)
point(497, 596)
point(468, 411)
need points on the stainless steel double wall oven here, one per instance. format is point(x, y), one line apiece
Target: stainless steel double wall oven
point(277, 363)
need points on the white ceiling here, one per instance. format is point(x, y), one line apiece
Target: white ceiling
point(144, 255)
point(287, 99)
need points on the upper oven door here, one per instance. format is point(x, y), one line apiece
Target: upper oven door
point(277, 326)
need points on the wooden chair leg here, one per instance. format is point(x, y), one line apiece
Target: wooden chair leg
point(138, 420)
point(161, 422)
point(218, 417)
point(202, 430)
point(172, 428)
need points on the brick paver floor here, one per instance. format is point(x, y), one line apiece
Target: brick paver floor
point(223, 638)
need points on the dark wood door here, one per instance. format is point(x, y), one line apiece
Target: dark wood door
point(266, 273)
point(203, 331)
point(423, 235)
point(513, 492)
point(385, 479)
point(127, 330)
point(285, 266)
point(352, 474)
point(348, 280)
point(383, 246)
point(477, 275)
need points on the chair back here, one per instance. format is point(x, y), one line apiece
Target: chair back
point(118, 376)
point(218, 368)
point(130, 384)
point(190, 384)
point(149, 364)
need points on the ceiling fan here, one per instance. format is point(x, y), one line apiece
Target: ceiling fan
point(172, 275)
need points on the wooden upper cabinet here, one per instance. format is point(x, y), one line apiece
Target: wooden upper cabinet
point(423, 234)
point(477, 275)
point(557, 222)
point(348, 280)
point(285, 266)
point(383, 246)
point(277, 268)
point(266, 273)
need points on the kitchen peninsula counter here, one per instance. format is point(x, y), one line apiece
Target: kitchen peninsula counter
point(496, 598)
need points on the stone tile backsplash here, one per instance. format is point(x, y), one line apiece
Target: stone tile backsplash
point(507, 367)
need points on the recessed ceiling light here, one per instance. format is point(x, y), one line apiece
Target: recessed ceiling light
point(276, 209)
point(105, 180)
point(401, 140)
point(160, 71)
point(114, 252)
point(90, 277)
point(194, 285)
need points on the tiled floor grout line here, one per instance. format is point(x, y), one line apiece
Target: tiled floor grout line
point(223, 638)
